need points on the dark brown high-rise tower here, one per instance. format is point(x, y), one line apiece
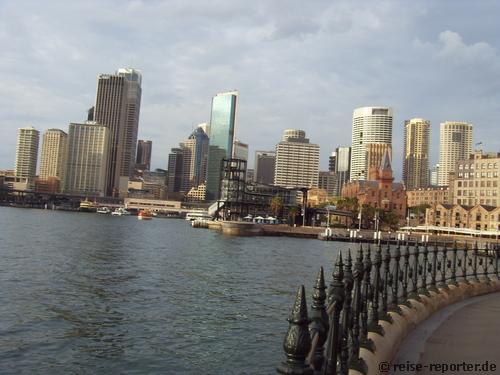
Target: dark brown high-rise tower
point(117, 106)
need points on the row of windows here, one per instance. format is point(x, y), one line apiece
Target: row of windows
point(487, 183)
point(477, 174)
point(478, 166)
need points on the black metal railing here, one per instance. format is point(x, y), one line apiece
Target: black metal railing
point(362, 293)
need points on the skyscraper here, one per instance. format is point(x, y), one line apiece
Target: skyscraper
point(455, 143)
point(297, 161)
point(117, 106)
point(195, 150)
point(143, 158)
point(87, 161)
point(53, 157)
point(369, 125)
point(175, 170)
point(222, 127)
point(342, 167)
point(332, 160)
point(240, 150)
point(27, 152)
point(416, 154)
point(264, 167)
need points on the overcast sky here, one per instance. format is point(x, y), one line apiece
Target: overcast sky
point(297, 64)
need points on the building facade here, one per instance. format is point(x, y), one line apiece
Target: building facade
point(477, 180)
point(87, 159)
point(328, 182)
point(222, 128)
point(297, 161)
point(143, 158)
point(455, 143)
point(265, 162)
point(240, 150)
point(53, 156)
point(369, 125)
point(427, 196)
point(478, 217)
point(342, 168)
point(27, 153)
point(416, 153)
point(374, 154)
point(117, 106)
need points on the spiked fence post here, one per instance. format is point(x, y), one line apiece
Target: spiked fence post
point(319, 320)
point(433, 286)
point(487, 257)
point(355, 362)
point(464, 266)
point(297, 341)
point(385, 283)
point(397, 278)
point(337, 301)
point(406, 275)
point(377, 263)
point(454, 265)
point(367, 296)
point(474, 265)
point(423, 287)
point(445, 265)
point(414, 274)
point(346, 321)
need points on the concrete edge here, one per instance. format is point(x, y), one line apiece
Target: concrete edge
point(386, 347)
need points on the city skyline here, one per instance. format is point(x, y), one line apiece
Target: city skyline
point(278, 62)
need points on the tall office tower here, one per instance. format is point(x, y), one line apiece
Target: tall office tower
point(222, 126)
point(205, 126)
point(369, 125)
point(87, 160)
point(27, 152)
point(434, 175)
point(327, 181)
point(332, 161)
point(53, 157)
point(342, 168)
point(175, 170)
point(194, 167)
point(455, 143)
point(264, 167)
point(90, 114)
point(416, 153)
point(117, 106)
point(240, 150)
point(297, 161)
point(143, 158)
point(374, 154)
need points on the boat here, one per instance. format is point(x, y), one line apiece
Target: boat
point(144, 215)
point(103, 210)
point(87, 206)
point(198, 215)
point(120, 211)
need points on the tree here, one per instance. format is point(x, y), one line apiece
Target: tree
point(292, 214)
point(350, 205)
point(390, 219)
point(276, 206)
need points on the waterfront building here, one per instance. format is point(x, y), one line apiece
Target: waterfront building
point(434, 175)
point(240, 150)
point(374, 154)
point(175, 170)
point(416, 153)
point(53, 160)
point(117, 106)
point(222, 128)
point(143, 158)
point(27, 153)
point(87, 159)
point(198, 142)
point(455, 143)
point(297, 161)
point(342, 168)
point(380, 193)
point(427, 196)
point(265, 162)
point(152, 204)
point(478, 217)
point(369, 125)
point(196, 194)
point(477, 180)
point(327, 182)
point(316, 197)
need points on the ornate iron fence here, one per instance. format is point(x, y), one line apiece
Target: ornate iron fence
point(362, 293)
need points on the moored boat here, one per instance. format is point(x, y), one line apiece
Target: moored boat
point(198, 215)
point(144, 215)
point(87, 206)
point(120, 211)
point(103, 210)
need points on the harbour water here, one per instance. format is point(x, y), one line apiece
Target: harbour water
point(85, 293)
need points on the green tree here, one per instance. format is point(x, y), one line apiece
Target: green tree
point(276, 206)
point(390, 219)
point(292, 214)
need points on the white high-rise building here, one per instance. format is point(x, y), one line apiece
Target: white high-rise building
point(297, 161)
point(369, 125)
point(88, 145)
point(27, 152)
point(455, 143)
point(53, 157)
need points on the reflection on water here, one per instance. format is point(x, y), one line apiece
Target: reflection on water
point(87, 293)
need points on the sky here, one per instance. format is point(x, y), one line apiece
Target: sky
point(297, 64)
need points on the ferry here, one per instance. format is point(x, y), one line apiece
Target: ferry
point(120, 211)
point(103, 210)
point(145, 215)
point(87, 206)
point(198, 215)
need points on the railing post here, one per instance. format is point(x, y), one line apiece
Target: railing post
point(497, 249)
point(414, 274)
point(385, 286)
point(454, 265)
point(406, 275)
point(297, 341)
point(355, 362)
point(336, 300)
point(377, 263)
point(423, 271)
point(464, 266)
point(433, 286)
point(346, 316)
point(319, 320)
point(397, 278)
point(366, 296)
point(445, 265)
point(487, 259)
point(474, 265)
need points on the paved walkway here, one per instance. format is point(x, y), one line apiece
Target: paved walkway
point(455, 339)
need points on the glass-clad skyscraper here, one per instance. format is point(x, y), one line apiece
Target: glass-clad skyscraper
point(222, 124)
